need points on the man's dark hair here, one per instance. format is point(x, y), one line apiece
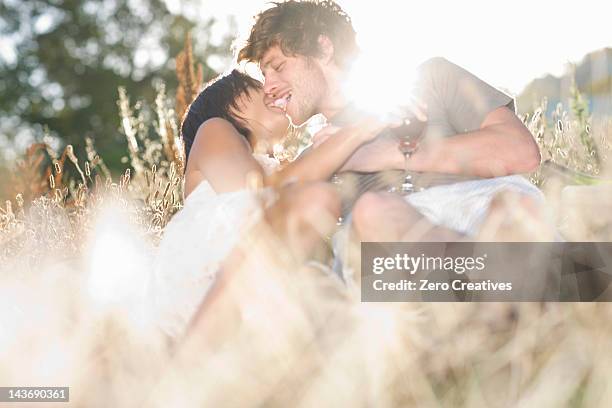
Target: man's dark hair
point(296, 25)
point(218, 99)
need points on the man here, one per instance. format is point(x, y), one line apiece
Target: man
point(472, 127)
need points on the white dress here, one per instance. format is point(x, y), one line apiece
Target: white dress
point(195, 241)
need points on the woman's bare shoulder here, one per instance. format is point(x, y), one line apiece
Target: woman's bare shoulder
point(217, 129)
point(217, 134)
point(220, 155)
point(218, 124)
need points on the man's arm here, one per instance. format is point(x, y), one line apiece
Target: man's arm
point(499, 144)
point(502, 146)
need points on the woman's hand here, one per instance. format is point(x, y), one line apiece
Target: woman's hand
point(370, 127)
point(366, 129)
point(323, 134)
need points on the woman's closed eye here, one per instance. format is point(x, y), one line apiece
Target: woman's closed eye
point(279, 67)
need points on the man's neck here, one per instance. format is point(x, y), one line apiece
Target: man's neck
point(334, 105)
point(336, 99)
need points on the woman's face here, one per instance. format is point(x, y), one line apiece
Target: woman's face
point(268, 124)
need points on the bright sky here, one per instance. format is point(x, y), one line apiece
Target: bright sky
point(505, 43)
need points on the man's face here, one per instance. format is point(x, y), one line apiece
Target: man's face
point(294, 84)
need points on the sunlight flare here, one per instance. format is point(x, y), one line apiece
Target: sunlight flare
point(118, 263)
point(375, 79)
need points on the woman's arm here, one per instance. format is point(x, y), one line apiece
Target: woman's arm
point(328, 156)
point(224, 158)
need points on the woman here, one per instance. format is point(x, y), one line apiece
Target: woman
point(229, 134)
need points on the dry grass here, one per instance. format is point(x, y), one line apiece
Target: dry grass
point(73, 300)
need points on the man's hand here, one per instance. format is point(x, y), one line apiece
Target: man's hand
point(414, 107)
point(382, 151)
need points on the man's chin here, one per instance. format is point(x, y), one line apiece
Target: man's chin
point(297, 120)
point(298, 123)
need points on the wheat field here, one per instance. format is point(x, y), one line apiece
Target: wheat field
point(74, 240)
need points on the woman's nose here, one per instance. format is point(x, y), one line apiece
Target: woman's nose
point(270, 88)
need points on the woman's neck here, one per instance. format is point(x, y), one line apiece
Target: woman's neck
point(258, 146)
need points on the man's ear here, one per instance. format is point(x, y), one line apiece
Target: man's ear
point(327, 49)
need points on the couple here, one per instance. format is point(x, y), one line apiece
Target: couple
point(304, 50)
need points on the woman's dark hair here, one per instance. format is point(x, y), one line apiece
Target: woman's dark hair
point(217, 100)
